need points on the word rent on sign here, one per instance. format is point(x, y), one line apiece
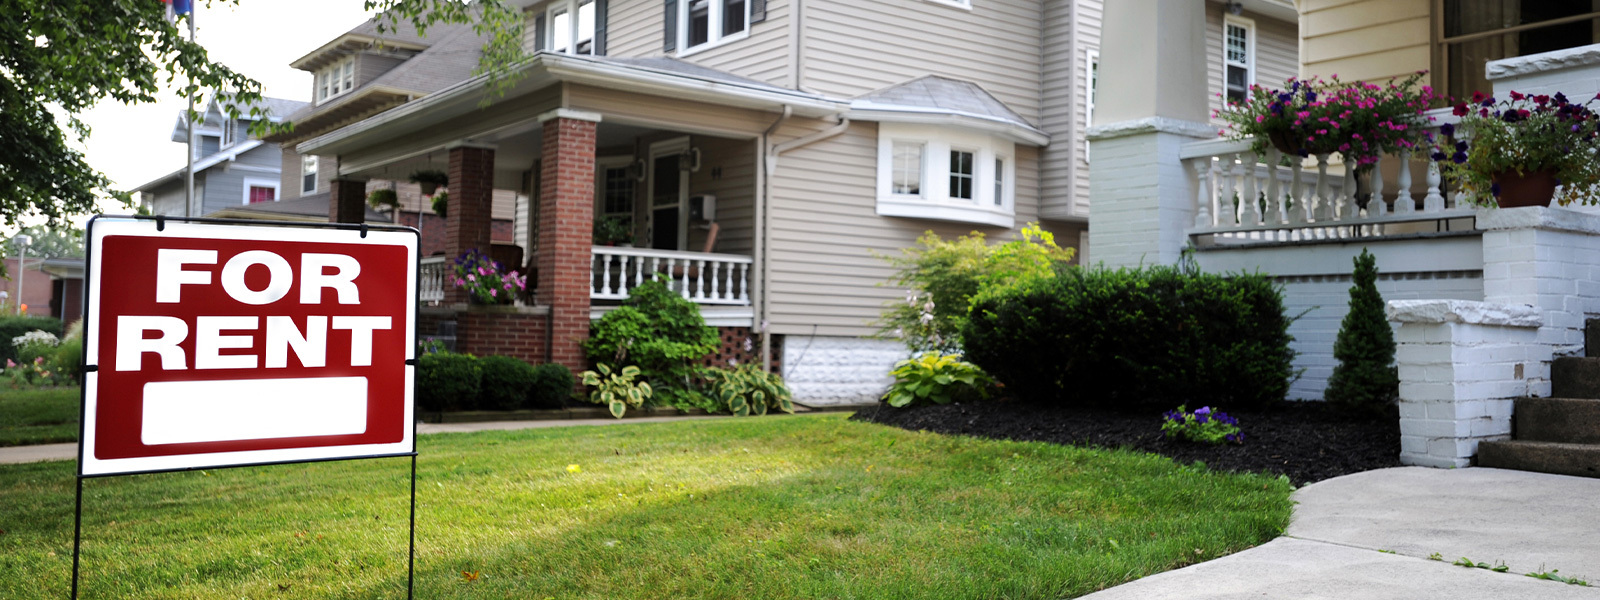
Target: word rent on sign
point(221, 345)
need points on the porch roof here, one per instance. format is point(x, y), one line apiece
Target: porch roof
point(663, 77)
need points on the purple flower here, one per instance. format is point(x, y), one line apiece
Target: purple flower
point(1447, 129)
point(1461, 146)
point(1494, 188)
point(1439, 156)
point(1204, 410)
point(1311, 97)
point(1459, 158)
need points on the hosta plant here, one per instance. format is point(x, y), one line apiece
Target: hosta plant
point(616, 390)
point(747, 390)
point(937, 378)
point(1204, 425)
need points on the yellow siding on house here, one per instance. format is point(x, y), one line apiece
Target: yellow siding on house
point(1365, 39)
point(825, 229)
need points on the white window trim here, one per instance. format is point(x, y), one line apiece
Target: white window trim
point(601, 164)
point(316, 169)
point(716, 37)
point(1249, 26)
point(935, 201)
point(230, 132)
point(961, 4)
point(657, 150)
point(922, 169)
point(570, 7)
point(333, 71)
point(250, 183)
point(1091, 59)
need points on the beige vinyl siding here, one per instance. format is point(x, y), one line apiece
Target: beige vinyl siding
point(635, 28)
point(370, 66)
point(1277, 56)
point(1064, 86)
point(1364, 39)
point(825, 230)
point(727, 171)
point(668, 113)
point(852, 48)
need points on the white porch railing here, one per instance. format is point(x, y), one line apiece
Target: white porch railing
point(430, 279)
point(700, 277)
point(1301, 202)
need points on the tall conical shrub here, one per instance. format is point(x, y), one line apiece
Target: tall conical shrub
point(1365, 378)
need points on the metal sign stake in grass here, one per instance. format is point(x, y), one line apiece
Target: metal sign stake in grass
point(213, 343)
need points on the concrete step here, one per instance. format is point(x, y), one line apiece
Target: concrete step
point(1575, 377)
point(1581, 460)
point(1564, 420)
point(1591, 338)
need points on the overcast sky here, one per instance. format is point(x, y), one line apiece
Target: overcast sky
point(259, 38)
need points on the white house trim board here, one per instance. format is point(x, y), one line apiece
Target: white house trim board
point(896, 113)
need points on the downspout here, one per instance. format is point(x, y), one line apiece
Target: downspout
point(764, 188)
point(764, 316)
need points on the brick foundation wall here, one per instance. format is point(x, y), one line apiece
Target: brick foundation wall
point(489, 332)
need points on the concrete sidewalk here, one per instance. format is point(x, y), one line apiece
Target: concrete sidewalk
point(1530, 522)
point(46, 452)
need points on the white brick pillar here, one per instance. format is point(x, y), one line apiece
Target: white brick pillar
point(1549, 258)
point(1151, 99)
point(1461, 365)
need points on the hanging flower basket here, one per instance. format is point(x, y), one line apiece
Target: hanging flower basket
point(1284, 142)
point(430, 180)
point(1534, 188)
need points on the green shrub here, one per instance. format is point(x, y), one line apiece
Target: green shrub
point(937, 378)
point(67, 360)
point(1365, 378)
point(617, 390)
point(941, 277)
point(504, 384)
point(13, 326)
point(447, 381)
point(1135, 339)
point(656, 330)
point(34, 345)
point(746, 390)
point(552, 386)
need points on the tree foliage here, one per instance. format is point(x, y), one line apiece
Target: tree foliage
point(61, 57)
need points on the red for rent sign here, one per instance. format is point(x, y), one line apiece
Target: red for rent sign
point(219, 345)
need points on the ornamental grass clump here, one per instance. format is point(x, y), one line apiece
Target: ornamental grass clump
point(1204, 425)
point(1359, 120)
point(486, 280)
point(1522, 136)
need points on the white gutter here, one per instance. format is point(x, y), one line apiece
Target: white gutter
point(464, 96)
point(764, 189)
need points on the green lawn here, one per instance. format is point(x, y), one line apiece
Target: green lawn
point(38, 416)
point(770, 507)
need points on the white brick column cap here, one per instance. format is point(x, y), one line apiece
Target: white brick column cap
point(1464, 311)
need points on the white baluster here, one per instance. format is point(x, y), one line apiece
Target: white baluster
point(700, 280)
point(1242, 177)
point(1202, 192)
point(1227, 207)
point(744, 283)
point(1376, 207)
point(1274, 214)
point(1406, 202)
point(594, 263)
point(1324, 207)
point(718, 291)
point(1434, 201)
point(1250, 198)
point(1297, 194)
point(605, 275)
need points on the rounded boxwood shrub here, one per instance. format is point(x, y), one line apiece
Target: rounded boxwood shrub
point(552, 386)
point(1135, 339)
point(447, 381)
point(505, 383)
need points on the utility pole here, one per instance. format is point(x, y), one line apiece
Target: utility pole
point(22, 241)
point(188, 173)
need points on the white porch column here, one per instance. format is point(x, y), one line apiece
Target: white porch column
point(1151, 99)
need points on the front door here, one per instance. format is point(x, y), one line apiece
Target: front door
point(669, 195)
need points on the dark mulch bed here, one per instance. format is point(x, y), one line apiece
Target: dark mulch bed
point(1308, 441)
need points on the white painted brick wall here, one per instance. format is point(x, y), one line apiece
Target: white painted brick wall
point(1461, 365)
point(827, 370)
point(1548, 258)
point(1144, 199)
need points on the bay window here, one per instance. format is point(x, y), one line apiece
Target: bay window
point(968, 178)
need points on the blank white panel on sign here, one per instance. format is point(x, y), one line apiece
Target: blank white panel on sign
point(183, 412)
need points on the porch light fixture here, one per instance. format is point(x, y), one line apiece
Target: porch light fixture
point(637, 170)
point(689, 159)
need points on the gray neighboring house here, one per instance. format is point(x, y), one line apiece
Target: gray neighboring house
point(231, 169)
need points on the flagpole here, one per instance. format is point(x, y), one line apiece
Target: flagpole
point(188, 173)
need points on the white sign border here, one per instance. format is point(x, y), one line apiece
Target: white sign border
point(102, 226)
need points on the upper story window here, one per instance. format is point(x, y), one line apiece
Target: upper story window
point(1238, 58)
point(969, 179)
point(1478, 31)
point(336, 79)
point(308, 174)
point(696, 24)
point(572, 27)
point(230, 132)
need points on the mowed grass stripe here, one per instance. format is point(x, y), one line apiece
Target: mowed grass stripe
point(771, 507)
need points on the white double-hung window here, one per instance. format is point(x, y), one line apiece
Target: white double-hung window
point(706, 23)
point(1238, 58)
point(569, 26)
point(336, 79)
point(946, 174)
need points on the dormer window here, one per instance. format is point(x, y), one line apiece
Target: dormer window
point(570, 27)
point(336, 79)
point(230, 132)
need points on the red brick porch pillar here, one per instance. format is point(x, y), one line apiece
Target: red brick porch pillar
point(566, 221)
point(467, 218)
point(347, 201)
